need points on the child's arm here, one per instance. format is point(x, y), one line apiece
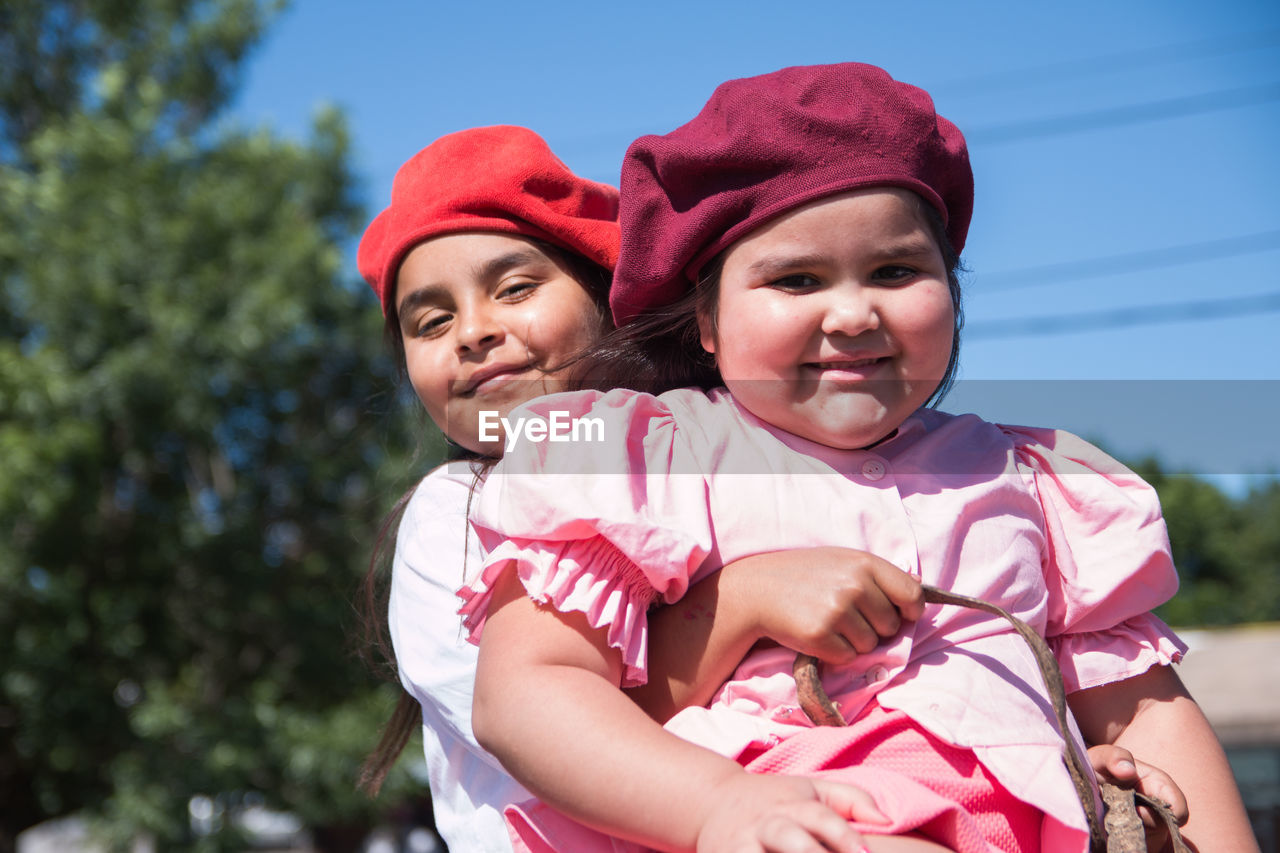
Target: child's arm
point(547, 705)
point(832, 603)
point(1152, 715)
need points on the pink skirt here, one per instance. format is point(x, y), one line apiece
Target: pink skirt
point(925, 786)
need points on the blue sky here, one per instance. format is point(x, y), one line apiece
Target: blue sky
point(1124, 157)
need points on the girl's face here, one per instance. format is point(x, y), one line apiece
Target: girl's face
point(835, 321)
point(487, 321)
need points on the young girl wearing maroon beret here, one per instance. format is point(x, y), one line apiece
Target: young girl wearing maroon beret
point(788, 280)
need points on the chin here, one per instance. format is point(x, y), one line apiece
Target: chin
point(833, 434)
point(847, 441)
point(849, 432)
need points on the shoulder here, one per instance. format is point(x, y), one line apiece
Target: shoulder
point(435, 518)
point(444, 488)
point(1089, 498)
point(1061, 453)
point(593, 432)
point(614, 480)
point(669, 404)
point(1036, 448)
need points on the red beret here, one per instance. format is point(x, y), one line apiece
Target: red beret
point(502, 179)
point(765, 145)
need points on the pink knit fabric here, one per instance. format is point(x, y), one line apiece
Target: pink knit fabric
point(926, 787)
point(923, 784)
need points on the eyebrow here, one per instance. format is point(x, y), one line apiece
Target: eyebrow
point(496, 267)
point(488, 271)
point(778, 264)
point(906, 249)
point(425, 295)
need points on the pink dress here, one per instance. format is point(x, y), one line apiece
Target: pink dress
point(1037, 521)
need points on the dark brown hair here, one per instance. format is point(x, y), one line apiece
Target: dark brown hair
point(373, 596)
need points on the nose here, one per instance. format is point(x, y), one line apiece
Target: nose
point(478, 330)
point(850, 310)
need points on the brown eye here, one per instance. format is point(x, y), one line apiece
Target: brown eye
point(433, 325)
point(517, 290)
point(796, 284)
point(893, 274)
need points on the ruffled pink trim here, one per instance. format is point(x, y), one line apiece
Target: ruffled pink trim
point(1103, 657)
point(588, 576)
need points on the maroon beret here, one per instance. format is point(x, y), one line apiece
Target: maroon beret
point(765, 145)
point(502, 179)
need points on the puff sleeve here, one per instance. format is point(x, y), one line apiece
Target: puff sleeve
point(605, 525)
point(1108, 561)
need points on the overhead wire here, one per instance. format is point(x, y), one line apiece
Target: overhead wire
point(1107, 63)
point(1143, 260)
point(1137, 315)
point(1221, 99)
point(1127, 262)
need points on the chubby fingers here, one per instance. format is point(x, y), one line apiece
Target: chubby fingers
point(807, 828)
point(1114, 764)
point(903, 589)
point(885, 596)
point(786, 814)
point(1158, 784)
point(849, 802)
point(1117, 765)
point(823, 825)
point(873, 602)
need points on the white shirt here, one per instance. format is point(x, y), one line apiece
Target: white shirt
point(438, 666)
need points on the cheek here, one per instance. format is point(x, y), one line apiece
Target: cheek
point(564, 328)
point(429, 381)
point(759, 336)
point(736, 321)
point(581, 332)
point(930, 324)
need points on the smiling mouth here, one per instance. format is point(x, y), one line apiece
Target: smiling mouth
point(853, 365)
point(487, 380)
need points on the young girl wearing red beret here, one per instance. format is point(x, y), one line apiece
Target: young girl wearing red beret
point(492, 265)
point(788, 277)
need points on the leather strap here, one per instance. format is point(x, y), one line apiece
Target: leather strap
point(1123, 826)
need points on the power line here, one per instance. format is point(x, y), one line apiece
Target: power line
point(1099, 119)
point(1147, 259)
point(1108, 63)
point(1223, 99)
point(1140, 315)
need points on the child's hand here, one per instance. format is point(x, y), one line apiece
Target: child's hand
point(1116, 765)
point(832, 603)
point(785, 814)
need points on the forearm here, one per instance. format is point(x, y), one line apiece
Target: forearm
point(832, 603)
point(1154, 717)
point(548, 707)
point(697, 643)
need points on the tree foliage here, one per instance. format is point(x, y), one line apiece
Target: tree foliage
point(1227, 549)
point(189, 387)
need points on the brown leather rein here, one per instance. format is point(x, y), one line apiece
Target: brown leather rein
point(1120, 831)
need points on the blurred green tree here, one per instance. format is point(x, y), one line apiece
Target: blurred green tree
point(1227, 549)
point(194, 406)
